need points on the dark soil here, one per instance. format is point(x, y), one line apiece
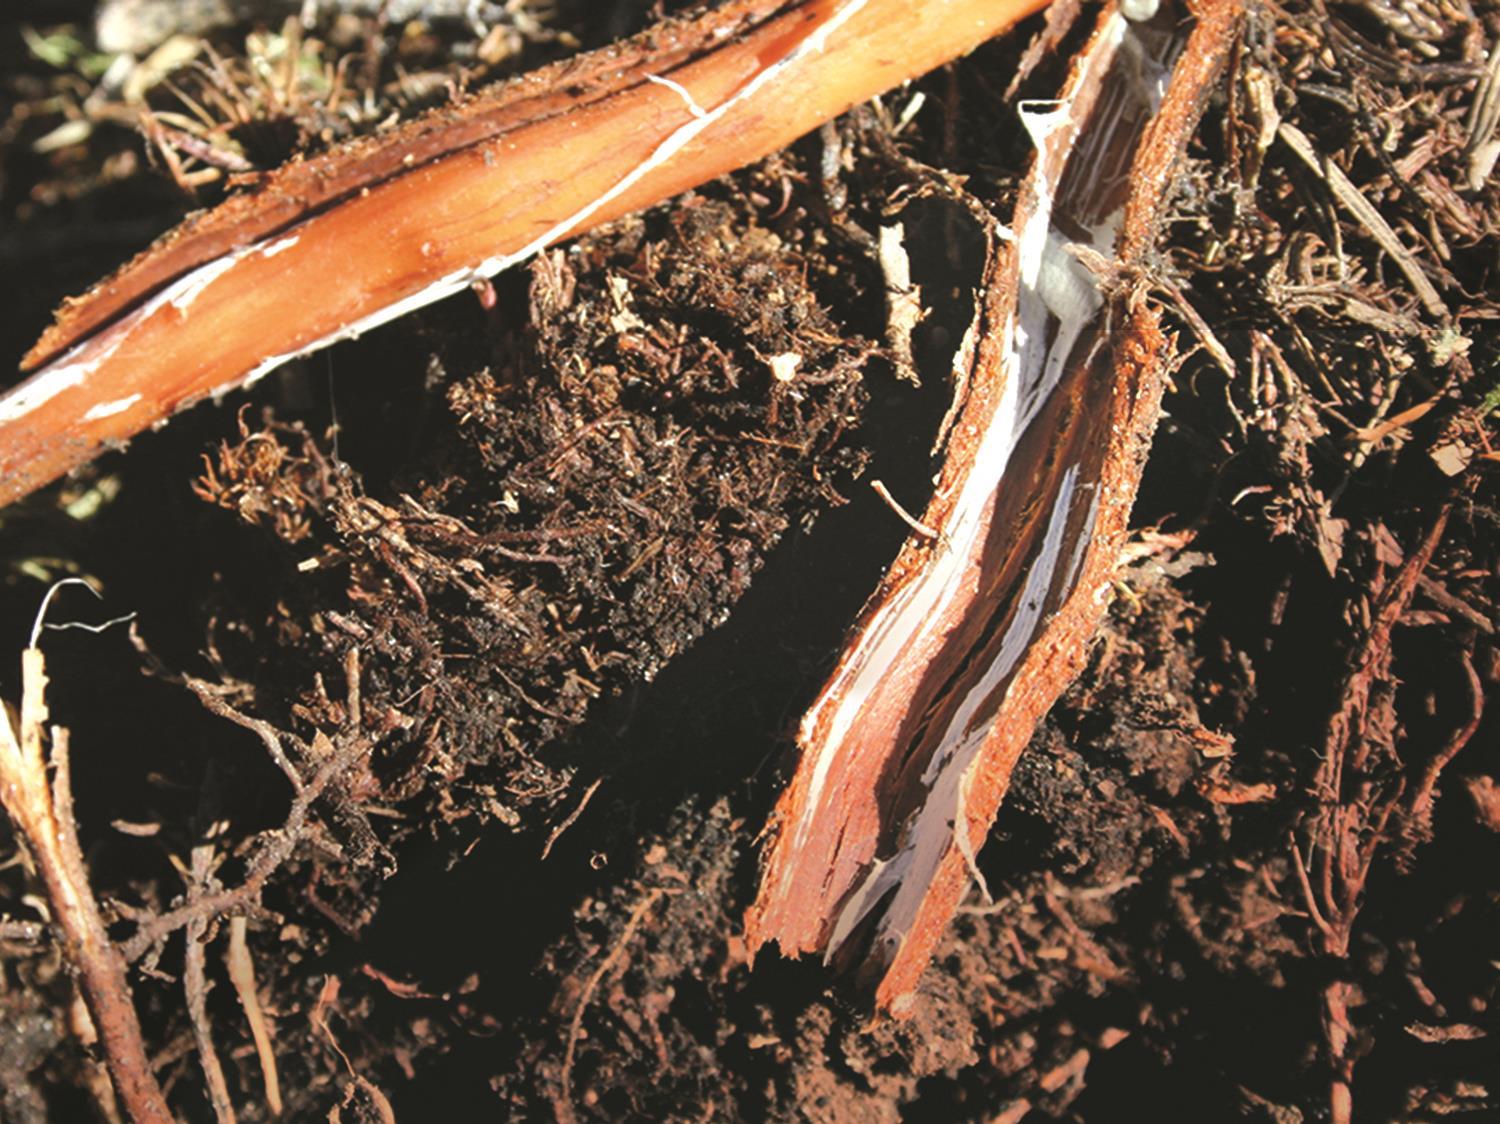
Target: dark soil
point(593, 558)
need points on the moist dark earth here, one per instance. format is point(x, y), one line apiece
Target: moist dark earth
point(593, 558)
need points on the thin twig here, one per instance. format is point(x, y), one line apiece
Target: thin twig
point(242, 975)
point(195, 987)
point(277, 846)
point(588, 794)
point(575, 1025)
point(269, 735)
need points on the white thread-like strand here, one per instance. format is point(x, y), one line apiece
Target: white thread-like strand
point(681, 91)
point(41, 612)
point(279, 246)
point(182, 294)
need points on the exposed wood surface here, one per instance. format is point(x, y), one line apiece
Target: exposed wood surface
point(907, 753)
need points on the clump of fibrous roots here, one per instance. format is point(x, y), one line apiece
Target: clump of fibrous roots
point(607, 483)
point(600, 480)
point(1342, 313)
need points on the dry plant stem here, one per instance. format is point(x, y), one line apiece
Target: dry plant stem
point(907, 753)
point(43, 816)
point(276, 847)
point(1362, 209)
point(242, 975)
point(1483, 146)
point(333, 246)
point(195, 988)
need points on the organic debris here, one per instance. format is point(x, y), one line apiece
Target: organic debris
point(537, 571)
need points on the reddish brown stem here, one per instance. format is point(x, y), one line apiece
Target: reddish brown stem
point(1355, 814)
point(1420, 812)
